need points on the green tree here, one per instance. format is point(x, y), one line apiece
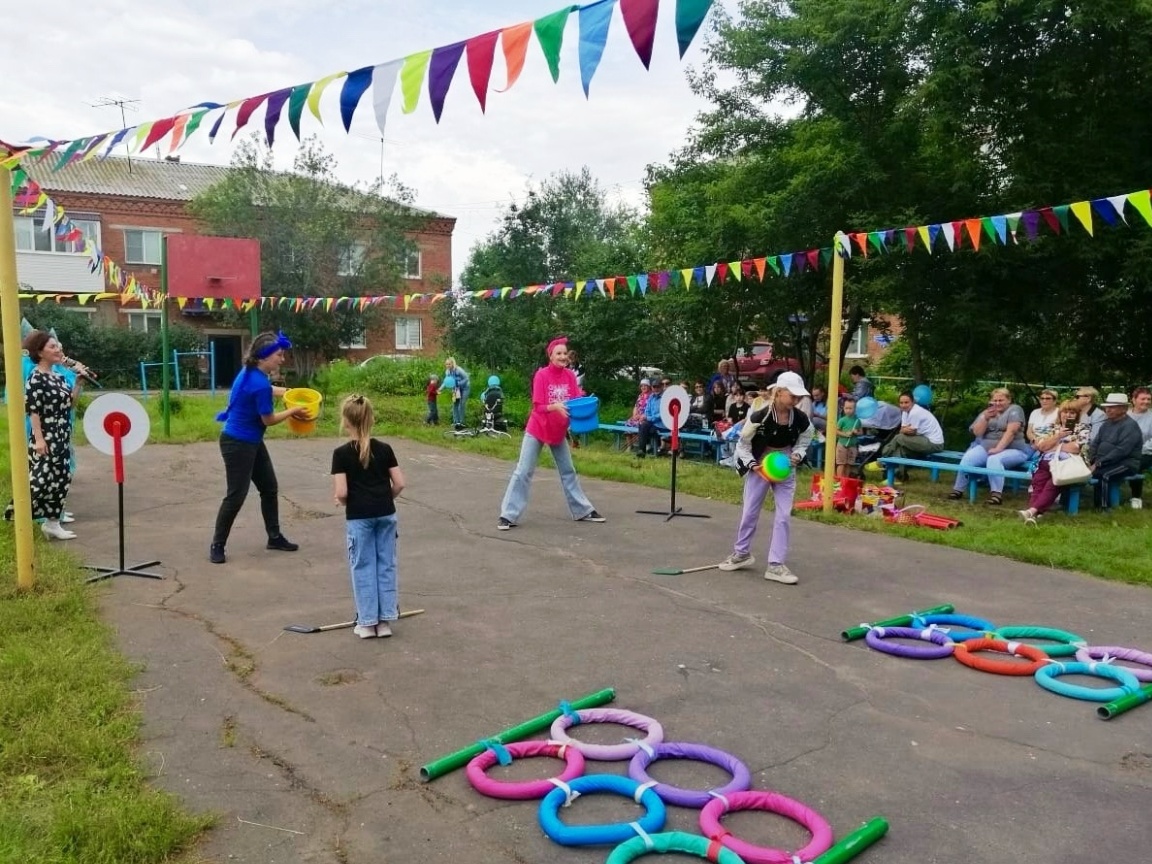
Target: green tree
point(562, 232)
point(872, 114)
point(318, 238)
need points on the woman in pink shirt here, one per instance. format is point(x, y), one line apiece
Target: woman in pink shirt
point(552, 386)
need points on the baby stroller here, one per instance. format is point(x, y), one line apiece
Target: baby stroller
point(492, 399)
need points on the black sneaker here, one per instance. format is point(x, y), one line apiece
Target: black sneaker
point(594, 516)
point(505, 524)
point(216, 553)
point(282, 544)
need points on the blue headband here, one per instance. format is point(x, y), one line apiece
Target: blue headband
point(281, 344)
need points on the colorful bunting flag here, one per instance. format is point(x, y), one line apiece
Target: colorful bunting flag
point(594, 21)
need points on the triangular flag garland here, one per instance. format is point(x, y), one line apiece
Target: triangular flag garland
point(432, 69)
point(30, 198)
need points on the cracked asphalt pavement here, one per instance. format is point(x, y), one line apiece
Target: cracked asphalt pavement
point(308, 747)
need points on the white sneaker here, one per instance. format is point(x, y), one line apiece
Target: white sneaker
point(67, 517)
point(736, 561)
point(1137, 503)
point(383, 630)
point(780, 573)
point(53, 530)
point(365, 632)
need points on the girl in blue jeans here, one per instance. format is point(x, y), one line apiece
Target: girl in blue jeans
point(366, 480)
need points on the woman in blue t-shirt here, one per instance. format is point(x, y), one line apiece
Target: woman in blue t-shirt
point(246, 461)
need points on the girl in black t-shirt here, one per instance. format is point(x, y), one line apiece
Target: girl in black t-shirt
point(366, 480)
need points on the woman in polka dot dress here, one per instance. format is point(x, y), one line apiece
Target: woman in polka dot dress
point(48, 401)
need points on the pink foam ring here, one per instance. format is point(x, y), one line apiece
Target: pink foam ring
point(654, 733)
point(772, 802)
point(1131, 655)
point(531, 789)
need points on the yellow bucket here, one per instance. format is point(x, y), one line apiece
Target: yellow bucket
point(303, 397)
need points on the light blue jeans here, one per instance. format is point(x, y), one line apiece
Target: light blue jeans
point(520, 485)
point(977, 457)
point(372, 563)
point(458, 407)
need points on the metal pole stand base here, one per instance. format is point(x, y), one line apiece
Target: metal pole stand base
point(112, 572)
point(674, 511)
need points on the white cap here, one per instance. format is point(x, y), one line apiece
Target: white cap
point(792, 382)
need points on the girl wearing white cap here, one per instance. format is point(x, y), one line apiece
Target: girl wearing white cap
point(774, 425)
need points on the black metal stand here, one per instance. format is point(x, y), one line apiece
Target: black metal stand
point(673, 510)
point(110, 572)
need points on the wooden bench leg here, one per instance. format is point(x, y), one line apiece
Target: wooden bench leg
point(890, 477)
point(1073, 500)
point(972, 490)
point(934, 473)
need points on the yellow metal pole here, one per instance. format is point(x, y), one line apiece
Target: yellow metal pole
point(13, 370)
point(835, 328)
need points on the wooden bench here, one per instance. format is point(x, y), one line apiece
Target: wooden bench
point(890, 463)
point(1069, 494)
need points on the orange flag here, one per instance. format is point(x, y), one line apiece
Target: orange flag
point(514, 41)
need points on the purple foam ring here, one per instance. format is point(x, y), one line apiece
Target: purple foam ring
point(942, 644)
point(695, 798)
point(772, 802)
point(1132, 655)
point(654, 733)
point(532, 789)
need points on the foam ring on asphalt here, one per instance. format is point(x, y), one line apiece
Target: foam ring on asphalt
point(771, 802)
point(604, 833)
point(527, 790)
point(942, 644)
point(697, 798)
point(967, 653)
point(1048, 678)
point(654, 733)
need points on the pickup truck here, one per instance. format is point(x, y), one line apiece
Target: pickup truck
point(758, 367)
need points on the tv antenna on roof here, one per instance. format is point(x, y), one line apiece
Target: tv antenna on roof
point(124, 105)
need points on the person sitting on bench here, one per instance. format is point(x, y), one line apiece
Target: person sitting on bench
point(920, 434)
point(999, 445)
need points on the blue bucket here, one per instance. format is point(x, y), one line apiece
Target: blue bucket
point(584, 414)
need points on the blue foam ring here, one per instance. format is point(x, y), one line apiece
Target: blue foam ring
point(608, 834)
point(1047, 677)
point(503, 757)
point(978, 628)
point(571, 713)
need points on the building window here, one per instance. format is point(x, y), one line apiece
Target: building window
point(409, 334)
point(142, 247)
point(858, 342)
point(31, 238)
point(352, 260)
point(144, 322)
point(357, 342)
point(411, 264)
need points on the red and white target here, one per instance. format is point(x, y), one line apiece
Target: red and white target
point(116, 425)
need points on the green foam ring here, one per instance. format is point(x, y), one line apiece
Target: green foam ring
point(851, 845)
point(854, 633)
point(453, 761)
point(1125, 703)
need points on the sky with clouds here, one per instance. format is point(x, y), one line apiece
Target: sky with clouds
point(171, 54)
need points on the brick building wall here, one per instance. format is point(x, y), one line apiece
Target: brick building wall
point(158, 193)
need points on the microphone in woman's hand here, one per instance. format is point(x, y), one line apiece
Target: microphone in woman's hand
point(80, 369)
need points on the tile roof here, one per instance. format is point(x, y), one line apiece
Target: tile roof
point(142, 178)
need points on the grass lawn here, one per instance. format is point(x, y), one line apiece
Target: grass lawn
point(1113, 545)
point(73, 787)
